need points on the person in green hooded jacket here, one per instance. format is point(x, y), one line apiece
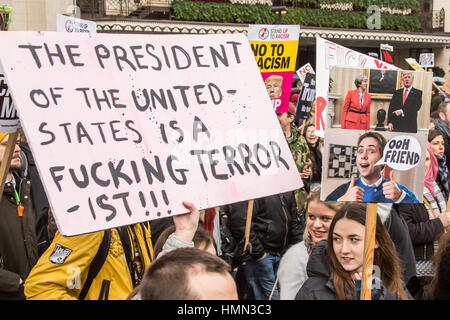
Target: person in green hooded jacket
point(300, 151)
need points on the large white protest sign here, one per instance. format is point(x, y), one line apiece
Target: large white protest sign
point(123, 128)
point(328, 55)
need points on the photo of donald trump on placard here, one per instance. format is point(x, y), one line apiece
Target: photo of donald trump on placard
point(358, 101)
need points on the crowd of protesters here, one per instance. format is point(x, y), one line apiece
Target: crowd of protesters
point(298, 247)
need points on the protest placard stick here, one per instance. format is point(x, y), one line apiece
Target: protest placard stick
point(6, 161)
point(248, 223)
point(369, 247)
point(446, 85)
point(439, 89)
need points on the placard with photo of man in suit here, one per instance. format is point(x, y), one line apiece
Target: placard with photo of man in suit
point(404, 106)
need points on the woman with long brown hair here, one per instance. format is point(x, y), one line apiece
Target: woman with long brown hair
point(426, 222)
point(335, 268)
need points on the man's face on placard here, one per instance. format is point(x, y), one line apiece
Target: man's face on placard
point(274, 87)
point(408, 80)
point(367, 155)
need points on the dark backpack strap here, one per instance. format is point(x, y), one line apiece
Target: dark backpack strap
point(145, 240)
point(104, 291)
point(96, 263)
point(128, 250)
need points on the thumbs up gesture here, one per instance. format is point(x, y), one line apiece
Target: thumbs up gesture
point(354, 193)
point(390, 189)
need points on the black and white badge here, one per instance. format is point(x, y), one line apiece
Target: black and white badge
point(59, 254)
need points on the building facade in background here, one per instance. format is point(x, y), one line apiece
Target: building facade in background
point(412, 27)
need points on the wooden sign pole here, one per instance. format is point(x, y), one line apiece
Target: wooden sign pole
point(439, 89)
point(6, 161)
point(248, 223)
point(448, 205)
point(369, 248)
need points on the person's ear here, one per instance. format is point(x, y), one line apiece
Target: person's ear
point(442, 116)
point(376, 245)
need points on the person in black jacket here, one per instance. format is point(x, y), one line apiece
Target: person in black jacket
point(335, 266)
point(423, 232)
point(436, 100)
point(275, 226)
point(442, 123)
point(404, 106)
point(18, 244)
point(399, 233)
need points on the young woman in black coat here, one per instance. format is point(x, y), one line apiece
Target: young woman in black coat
point(335, 268)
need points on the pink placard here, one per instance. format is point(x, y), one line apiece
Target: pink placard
point(123, 128)
point(278, 86)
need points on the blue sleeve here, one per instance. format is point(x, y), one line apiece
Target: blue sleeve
point(338, 192)
point(410, 197)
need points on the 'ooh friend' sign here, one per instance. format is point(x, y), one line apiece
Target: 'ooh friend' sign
point(125, 127)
